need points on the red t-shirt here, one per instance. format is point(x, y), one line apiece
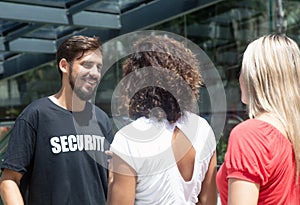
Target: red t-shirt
point(259, 153)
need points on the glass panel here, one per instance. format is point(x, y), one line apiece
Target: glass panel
point(222, 30)
point(19, 91)
point(292, 12)
point(58, 3)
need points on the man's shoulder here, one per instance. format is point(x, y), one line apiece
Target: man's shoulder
point(36, 105)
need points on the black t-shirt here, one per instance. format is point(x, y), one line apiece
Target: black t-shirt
point(61, 154)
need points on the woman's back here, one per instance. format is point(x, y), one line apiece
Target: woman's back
point(170, 160)
point(259, 153)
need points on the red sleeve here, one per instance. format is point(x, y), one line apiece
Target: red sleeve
point(247, 156)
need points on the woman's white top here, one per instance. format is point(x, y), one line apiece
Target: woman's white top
point(146, 145)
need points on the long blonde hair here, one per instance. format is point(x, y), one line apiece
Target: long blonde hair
point(271, 74)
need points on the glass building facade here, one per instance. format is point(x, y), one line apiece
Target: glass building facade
point(222, 30)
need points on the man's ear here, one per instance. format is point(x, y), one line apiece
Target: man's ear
point(64, 65)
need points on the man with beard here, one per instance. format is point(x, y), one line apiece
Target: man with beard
point(55, 155)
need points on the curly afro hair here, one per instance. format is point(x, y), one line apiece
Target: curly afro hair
point(174, 72)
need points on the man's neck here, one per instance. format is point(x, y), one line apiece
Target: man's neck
point(68, 101)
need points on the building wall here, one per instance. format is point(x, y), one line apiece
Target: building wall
point(222, 31)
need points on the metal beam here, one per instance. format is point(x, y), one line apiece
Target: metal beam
point(6, 55)
point(26, 61)
point(49, 15)
point(96, 20)
point(160, 11)
point(29, 13)
point(41, 2)
point(29, 45)
point(34, 45)
point(23, 62)
point(104, 35)
point(80, 6)
point(20, 32)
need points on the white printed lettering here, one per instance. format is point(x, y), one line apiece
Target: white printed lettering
point(72, 143)
point(56, 148)
point(98, 143)
point(88, 142)
point(64, 143)
point(80, 142)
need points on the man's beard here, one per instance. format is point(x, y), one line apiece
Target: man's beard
point(83, 95)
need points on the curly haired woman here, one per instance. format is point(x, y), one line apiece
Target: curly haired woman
point(167, 154)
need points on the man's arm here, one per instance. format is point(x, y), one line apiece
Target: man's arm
point(9, 187)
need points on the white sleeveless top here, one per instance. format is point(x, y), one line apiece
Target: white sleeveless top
point(145, 145)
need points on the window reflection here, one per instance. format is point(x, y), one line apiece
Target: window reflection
point(222, 30)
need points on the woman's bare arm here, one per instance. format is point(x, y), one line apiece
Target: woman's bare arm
point(122, 185)
point(208, 194)
point(242, 192)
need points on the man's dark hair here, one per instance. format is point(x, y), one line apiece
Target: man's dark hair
point(75, 47)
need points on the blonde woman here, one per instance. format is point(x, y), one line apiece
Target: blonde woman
point(262, 162)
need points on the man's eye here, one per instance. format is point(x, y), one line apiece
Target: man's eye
point(87, 65)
